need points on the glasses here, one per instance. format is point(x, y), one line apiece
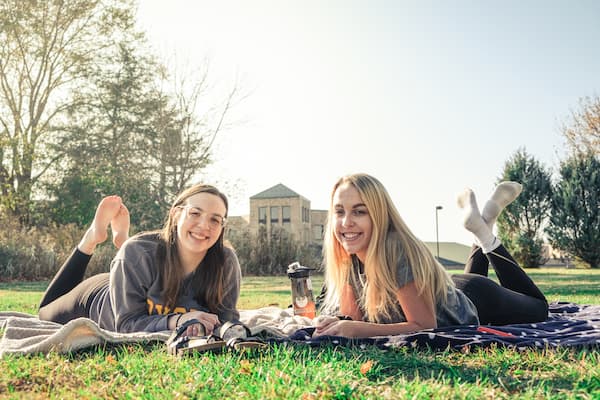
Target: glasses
point(196, 214)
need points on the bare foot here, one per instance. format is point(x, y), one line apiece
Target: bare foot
point(97, 232)
point(120, 226)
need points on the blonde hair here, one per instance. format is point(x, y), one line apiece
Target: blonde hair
point(391, 243)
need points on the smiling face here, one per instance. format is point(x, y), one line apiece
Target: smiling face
point(197, 230)
point(353, 224)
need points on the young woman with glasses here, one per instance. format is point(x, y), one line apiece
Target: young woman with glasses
point(157, 280)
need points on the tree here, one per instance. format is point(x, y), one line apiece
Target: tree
point(520, 226)
point(583, 133)
point(575, 218)
point(78, 194)
point(139, 132)
point(184, 126)
point(45, 49)
point(107, 132)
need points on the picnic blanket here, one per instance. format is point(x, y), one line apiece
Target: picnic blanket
point(568, 325)
point(26, 334)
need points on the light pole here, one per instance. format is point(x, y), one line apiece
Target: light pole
point(437, 238)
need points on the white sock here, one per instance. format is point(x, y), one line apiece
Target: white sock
point(504, 194)
point(474, 223)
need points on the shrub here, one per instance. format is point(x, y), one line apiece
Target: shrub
point(36, 253)
point(27, 253)
point(265, 254)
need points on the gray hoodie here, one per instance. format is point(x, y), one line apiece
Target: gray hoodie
point(132, 300)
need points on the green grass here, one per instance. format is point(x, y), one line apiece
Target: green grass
point(270, 291)
point(136, 371)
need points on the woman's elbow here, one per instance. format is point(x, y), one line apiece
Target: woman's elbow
point(422, 325)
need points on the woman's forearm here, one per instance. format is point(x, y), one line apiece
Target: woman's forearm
point(369, 329)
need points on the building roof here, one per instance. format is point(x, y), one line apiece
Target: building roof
point(276, 192)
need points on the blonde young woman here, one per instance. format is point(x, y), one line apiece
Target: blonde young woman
point(158, 280)
point(382, 280)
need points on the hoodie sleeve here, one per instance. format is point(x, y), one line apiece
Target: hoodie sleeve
point(133, 275)
point(227, 311)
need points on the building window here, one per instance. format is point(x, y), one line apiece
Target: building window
point(318, 232)
point(274, 215)
point(262, 215)
point(287, 214)
point(305, 214)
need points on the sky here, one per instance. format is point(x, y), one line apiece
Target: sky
point(430, 97)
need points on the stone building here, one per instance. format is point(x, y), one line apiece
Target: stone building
point(279, 207)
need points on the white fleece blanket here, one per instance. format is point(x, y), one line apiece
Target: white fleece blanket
point(273, 321)
point(26, 334)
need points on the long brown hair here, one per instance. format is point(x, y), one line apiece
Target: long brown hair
point(208, 278)
point(391, 242)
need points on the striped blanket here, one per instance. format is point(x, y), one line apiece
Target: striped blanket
point(568, 325)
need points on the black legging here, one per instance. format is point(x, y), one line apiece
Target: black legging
point(69, 296)
point(516, 300)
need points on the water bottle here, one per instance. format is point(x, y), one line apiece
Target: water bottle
point(302, 295)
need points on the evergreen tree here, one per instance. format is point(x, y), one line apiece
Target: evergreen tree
point(104, 150)
point(520, 226)
point(134, 137)
point(575, 218)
